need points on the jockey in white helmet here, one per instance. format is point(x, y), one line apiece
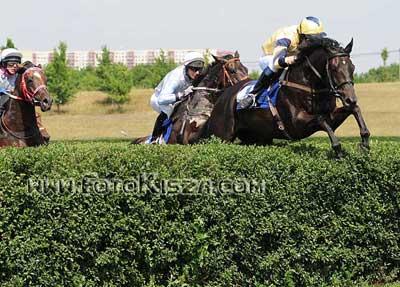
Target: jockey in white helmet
point(174, 86)
point(10, 59)
point(280, 51)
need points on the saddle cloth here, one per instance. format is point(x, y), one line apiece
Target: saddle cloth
point(262, 100)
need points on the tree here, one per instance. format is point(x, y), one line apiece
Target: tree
point(114, 79)
point(207, 57)
point(149, 76)
point(384, 55)
point(59, 75)
point(254, 75)
point(9, 44)
point(105, 59)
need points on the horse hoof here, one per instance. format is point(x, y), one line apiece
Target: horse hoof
point(364, 148)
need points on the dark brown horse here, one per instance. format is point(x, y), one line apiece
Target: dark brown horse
point(306, 101)
point(191, 114)
point(19, 123)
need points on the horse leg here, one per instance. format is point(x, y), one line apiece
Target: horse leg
point(42, 129)
point(336, 146)
point(341, 114)
point(364, 132)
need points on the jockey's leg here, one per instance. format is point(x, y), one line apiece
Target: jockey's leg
point(263, 82)
point(42, 129)
point(158, 128)
point(3, 101)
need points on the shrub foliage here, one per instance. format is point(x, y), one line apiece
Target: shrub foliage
point(307, 220)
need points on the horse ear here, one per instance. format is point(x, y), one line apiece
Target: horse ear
point(21, 70)
point(349, 47)
point(237, 54)
point(219, 59)
point(39, 66)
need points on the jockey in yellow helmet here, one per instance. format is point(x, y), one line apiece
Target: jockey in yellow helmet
point(280, 51)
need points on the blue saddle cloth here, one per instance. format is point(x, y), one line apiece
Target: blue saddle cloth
point(167, 126)
point(167, 129)
point(262, 100)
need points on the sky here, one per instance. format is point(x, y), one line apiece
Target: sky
point(177, 24)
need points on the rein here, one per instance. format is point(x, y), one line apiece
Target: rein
point(206, 89)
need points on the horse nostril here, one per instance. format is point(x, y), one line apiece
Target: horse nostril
point(350, 101)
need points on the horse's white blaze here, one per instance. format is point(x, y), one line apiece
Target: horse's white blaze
point(37, 75)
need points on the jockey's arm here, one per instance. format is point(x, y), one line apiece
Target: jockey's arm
point(5, 86)
point(169, 94)
point(280, 52)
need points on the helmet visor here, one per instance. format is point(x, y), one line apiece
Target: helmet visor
point(196, 64)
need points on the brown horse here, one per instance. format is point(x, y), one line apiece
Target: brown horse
point(19, 122)
point(191, 114)
point(306, 101)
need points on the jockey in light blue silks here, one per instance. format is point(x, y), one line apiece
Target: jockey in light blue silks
point(280, 51)
point(9, 64)
point(175, 86)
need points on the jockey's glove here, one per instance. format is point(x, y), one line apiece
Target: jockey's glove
point(290, 60)
point(188, 91)
point(179, 96)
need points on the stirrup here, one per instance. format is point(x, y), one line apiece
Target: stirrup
point(248, 102)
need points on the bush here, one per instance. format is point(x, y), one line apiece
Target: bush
point(308, 220)
point(381, 74)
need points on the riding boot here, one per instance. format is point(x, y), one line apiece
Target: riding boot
point(3, 100)
point(158, 129)
point(263, 82)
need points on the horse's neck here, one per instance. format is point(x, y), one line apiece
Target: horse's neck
point(20, 115)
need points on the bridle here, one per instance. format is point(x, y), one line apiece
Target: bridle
point(26, 94)
point(333, 89)
point(227, 76)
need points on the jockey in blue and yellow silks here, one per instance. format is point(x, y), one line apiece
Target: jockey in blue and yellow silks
point(280, 51)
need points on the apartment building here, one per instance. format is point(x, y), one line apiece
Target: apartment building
point(130, 58)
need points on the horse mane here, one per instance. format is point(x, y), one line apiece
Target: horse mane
point(329, 45)
point(26, 65)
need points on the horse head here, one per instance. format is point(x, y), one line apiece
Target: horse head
point(31, 86)
point(229, 69)
point(328, 66)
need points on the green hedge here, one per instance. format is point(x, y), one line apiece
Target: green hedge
point(307, 220)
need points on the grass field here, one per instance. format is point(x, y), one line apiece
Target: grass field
point(86, 117)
